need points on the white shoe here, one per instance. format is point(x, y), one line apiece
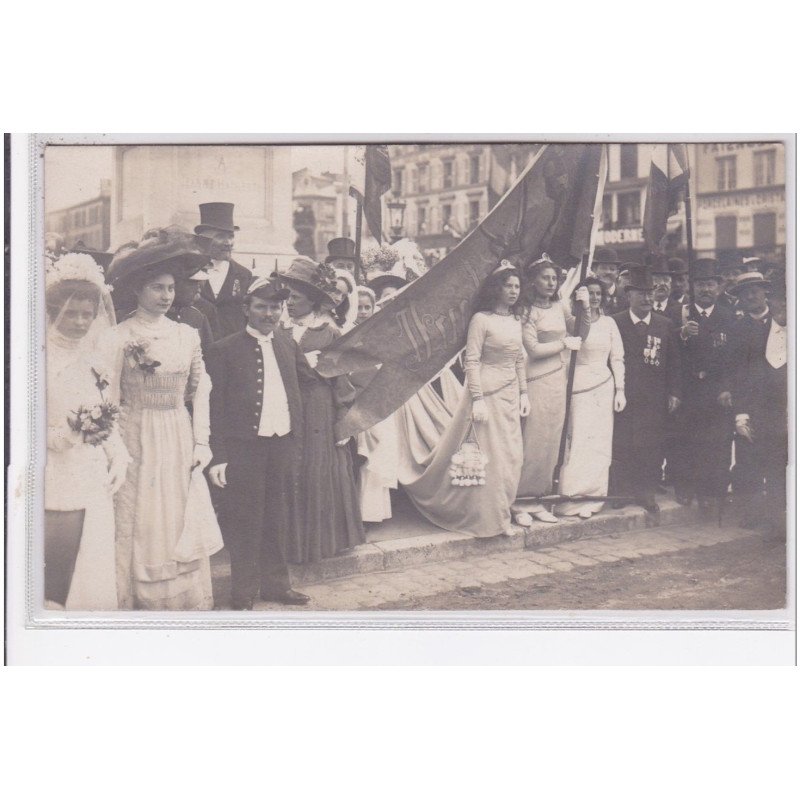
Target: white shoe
point(545, 516)
point(585, 514)
point(524, 519)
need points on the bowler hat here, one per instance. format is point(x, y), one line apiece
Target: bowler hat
point(677, 266)
point(749, 279)
point(341, 248)
point(218, 216)
point(318, 281)
point(640, 276)
point(705, 269)
point(606, 255)
point(385, 282)
point(268, 288)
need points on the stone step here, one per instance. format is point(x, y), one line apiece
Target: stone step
point(430, 547)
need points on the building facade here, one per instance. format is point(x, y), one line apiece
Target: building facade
point(317, 211)
point(445, 188)
point(741, 200)
point(88, 222)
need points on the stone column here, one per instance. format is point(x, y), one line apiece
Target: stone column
point(159, 185)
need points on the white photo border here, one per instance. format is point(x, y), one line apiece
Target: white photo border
point(25, 479)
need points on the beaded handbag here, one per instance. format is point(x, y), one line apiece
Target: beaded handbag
point(468, 463)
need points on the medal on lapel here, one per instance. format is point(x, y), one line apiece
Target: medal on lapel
point(237, 288)
point(652, 350)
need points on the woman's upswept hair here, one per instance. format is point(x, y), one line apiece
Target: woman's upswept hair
point(489, 293)
point(531, 272)
point(592, 280)
point(60, 293)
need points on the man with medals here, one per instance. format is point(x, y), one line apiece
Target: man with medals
point(652, 388)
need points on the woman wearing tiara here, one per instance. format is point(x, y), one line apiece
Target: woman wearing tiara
point(86, 460)
point(494, 400)
point(547, 343)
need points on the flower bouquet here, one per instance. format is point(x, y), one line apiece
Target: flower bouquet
point(468, 463)
point(137, 356)
point(95, 423)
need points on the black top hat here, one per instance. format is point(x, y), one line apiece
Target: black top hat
point(605, 255)
point(705, 269)
point(386, 281)
point(218, 216)
point(640, 276)
point(341, 248)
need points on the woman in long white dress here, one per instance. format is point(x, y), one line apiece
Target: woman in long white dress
point(84, 468)
point(547, 343)
point(166, 527)
point(598, 392)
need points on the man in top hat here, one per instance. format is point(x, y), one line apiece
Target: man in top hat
point(257, 377)
point(606, 266)
point(759, 390)
point(700, 460)
point(342, 254)
point(652, 389)
point(227, 281)
point(680, 279)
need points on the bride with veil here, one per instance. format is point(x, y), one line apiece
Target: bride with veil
point(86, 459)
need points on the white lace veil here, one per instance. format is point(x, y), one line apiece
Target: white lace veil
point(76, 276)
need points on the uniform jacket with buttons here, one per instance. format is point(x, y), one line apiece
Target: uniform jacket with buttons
point(236, 368)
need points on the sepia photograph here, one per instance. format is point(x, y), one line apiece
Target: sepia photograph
point(453, 376)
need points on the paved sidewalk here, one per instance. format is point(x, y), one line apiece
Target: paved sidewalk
point(371, 590)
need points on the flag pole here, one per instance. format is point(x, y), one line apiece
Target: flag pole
point(573, 361)
point(346, 193)
point(359, 215)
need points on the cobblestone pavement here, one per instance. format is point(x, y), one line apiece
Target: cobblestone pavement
point(674, 567)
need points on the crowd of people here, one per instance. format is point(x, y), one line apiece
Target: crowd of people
point(185, 413)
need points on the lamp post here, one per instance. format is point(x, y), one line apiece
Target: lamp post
point(397, 210)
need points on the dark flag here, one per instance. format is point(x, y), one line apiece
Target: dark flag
point(550, 209)
point(506, 163)
point(371, 177)
point(666, 189)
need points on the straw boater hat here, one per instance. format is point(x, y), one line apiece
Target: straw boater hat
point(318, 281)
point(750, 279)
point(640, 276)
point(216, 217)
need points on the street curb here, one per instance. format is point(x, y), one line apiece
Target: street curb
point(448, 546)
